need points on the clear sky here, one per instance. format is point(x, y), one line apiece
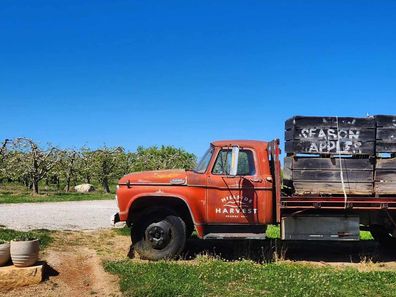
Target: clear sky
point(184, 73)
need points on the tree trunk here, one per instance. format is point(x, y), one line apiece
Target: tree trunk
point(68, 179)
point(35, 187)
point(105, 184)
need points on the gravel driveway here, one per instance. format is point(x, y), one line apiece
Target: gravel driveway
point(73, 215)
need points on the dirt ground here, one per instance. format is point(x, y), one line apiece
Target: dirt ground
point(75, 265)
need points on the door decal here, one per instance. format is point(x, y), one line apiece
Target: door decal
point(236, 206)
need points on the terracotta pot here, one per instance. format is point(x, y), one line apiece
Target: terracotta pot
point(4, 253)
point(24, 253)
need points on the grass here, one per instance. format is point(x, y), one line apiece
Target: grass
point(273, 231)
point(366, 235)
point(209, 277)
point(7, 197)
point(125, 231)
point(17, 193)
point(44, 236)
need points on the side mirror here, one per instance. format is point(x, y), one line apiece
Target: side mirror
point(234, 161)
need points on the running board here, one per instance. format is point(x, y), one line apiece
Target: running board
point(257, 236)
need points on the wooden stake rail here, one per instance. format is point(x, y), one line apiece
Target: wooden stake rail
point(354, 203)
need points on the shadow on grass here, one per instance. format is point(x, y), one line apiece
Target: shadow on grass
point(273, 249)
point(270, 250)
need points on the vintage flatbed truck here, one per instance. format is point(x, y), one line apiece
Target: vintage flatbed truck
point(234, 192)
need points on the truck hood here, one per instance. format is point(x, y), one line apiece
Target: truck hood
point(173, 176)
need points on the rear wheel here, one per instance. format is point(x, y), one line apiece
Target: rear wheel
point(383, 236)
point(160, 234)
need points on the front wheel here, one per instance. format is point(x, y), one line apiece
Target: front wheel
point(159, 235)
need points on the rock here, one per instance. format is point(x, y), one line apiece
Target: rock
point(84, 188)
point(12, 277)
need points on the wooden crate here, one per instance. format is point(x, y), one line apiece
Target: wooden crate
point(317, 176)
point(319, 135)
point(386, 134)
point(385, 176)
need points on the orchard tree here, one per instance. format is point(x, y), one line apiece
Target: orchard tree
point(68, 166)
point(107, 165)
point(4, 151)
point(164, 157)
point(85, 165)
point(32, 162)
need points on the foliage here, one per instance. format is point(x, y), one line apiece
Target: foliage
point(164, 157)
point(67, 166)
point(211, 277)
point(44, 236)
point(4, 151)
point(107, 164)
point(31, 163)
point(85, 165)
point(24, 161)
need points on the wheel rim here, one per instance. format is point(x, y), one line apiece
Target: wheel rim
point(158, 234)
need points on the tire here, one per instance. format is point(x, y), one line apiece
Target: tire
point(383, 236)
point(159, 235)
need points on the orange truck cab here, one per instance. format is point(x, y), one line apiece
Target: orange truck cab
point(164, 207)
point(233, 193)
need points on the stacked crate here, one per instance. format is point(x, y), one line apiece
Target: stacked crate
point(319, 149)
point(385, 172)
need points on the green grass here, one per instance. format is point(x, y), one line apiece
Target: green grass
point(273, 231)
point(7, 197)
point(44, 236)
point(366, 235)
point(244, 278)
point(125, 231)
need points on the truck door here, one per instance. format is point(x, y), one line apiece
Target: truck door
point(237, 199)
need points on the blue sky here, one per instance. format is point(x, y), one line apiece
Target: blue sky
point(184, 73)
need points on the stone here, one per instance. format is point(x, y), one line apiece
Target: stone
point(13, 277)
point(84, 188)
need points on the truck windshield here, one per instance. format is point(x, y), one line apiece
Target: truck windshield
point(204, 162)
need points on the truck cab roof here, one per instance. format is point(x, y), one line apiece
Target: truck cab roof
point(242, 143)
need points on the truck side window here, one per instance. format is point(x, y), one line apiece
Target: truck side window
point(245, 163)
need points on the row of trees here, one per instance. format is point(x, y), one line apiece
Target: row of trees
point(23, 160)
